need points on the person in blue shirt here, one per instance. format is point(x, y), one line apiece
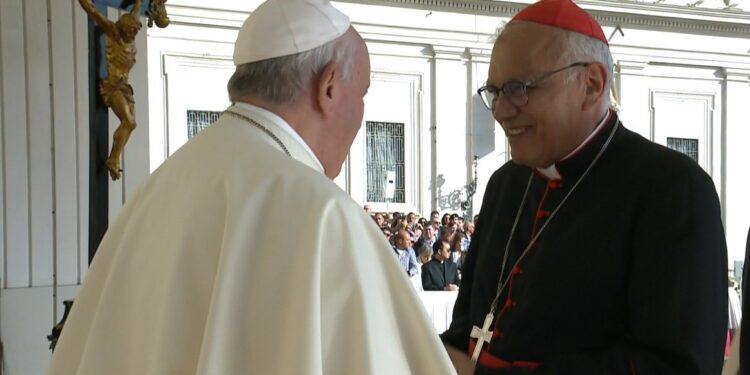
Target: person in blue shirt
point(405, 253)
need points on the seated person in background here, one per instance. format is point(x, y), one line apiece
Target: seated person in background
point(445, 219)
point(399, 224)
point(457, 248)
point(406, 256)
point(388, 219)
point(447, 231)
point(427, 238)
point(468, 230)
point(411, 220)
point(396, 217)
point(460, 222)
point(424, 254)
point(416, 233)
point(440, 273)
point(379, 219)
point(388, 235)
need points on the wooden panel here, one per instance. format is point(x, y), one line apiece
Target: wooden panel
point(65, 142)
point(15, 157)
point(81, 36)
point(26, 321)
point(40, 139)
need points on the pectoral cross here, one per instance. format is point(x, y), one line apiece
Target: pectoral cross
point(482, 335)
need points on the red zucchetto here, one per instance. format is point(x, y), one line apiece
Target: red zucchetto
point(563, 14)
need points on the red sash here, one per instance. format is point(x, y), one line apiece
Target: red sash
point(490, 361)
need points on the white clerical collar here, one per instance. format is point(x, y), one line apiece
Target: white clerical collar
point(551, 171)
point(283, 125)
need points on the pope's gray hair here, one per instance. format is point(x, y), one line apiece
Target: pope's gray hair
point(281, 79)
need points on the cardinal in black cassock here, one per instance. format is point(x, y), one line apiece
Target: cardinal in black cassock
point(610, 261)
point(629, 277)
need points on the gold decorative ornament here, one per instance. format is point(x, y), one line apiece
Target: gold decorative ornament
point(120, 51)
point(157, 12)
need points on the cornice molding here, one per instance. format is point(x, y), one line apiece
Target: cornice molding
point(608, 13)
point(483, 7)
point(737, 75)
point(449, 53)
point(479, 55)
point(205, 16)
point(631, 67)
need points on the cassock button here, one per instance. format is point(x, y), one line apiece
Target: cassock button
point(517, 270)
point(542, 213)
point(554, 184)
point(509, 303)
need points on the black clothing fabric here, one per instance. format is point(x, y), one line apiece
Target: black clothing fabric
point(629, 277)
point(437, 275)
point(745, 326)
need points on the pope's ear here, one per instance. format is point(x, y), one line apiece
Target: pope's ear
point(595, 82)
point(326, 87)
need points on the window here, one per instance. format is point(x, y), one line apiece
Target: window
point(385, 152)
point(686, 146)
point(199, 120)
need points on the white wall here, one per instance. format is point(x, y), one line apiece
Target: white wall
point(44, 117)
point(44, 101)
point(737, 154)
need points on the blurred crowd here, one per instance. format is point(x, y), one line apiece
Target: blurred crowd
point(432, 249)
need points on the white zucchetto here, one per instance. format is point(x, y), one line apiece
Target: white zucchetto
point(287, 27)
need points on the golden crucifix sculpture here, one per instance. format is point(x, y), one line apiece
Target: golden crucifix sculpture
point(120, 50)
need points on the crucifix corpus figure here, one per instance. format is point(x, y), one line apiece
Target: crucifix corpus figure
point(115, 89)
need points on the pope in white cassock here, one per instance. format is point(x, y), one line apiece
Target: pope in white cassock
point(197, 275)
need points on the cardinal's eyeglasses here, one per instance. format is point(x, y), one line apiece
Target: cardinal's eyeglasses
point(516, 91)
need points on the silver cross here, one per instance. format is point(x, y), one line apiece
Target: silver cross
point(482, 335)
